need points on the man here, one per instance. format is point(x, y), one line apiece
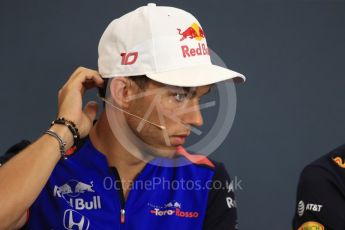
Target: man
point(321, 193)
point(119, 172)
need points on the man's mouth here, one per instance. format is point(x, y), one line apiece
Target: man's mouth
point(178, 139)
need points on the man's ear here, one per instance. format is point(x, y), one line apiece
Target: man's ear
point(121, 89)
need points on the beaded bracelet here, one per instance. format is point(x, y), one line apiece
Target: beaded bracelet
point(71, 126)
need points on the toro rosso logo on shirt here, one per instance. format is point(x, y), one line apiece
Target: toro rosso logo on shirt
point(71, 190)
point(193, 32)
point(172, 208)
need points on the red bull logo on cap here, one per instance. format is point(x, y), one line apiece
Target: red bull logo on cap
point(193, 32)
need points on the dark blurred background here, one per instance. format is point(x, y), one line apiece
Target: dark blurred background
point(289, 112)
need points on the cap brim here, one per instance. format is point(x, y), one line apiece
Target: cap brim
point(196, 76)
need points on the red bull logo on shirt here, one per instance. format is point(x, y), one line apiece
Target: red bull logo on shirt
point(73, 189)
point(79, 187)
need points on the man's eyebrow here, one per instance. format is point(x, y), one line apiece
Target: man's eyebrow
point(209, 90)
point(193, 93)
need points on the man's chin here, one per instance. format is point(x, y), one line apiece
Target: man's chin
point(166, 151)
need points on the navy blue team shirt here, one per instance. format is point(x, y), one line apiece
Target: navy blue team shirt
point(84, 193)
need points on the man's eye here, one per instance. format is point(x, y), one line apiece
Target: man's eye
point(180, 97)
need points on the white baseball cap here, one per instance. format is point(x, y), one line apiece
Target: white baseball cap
point(164, 43)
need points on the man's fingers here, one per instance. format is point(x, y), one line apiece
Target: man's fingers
point(96, 80)
point(83, 79)
point(70, 98)
point(87, 74)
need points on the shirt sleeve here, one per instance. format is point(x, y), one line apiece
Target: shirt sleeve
point(221, 207)
point(13, 150)
point(320, 200)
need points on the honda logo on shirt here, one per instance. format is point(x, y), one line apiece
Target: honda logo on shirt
point(74, 220)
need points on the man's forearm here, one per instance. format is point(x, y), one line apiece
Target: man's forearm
point(23, 177)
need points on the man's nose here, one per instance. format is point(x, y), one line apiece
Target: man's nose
point(192, 114)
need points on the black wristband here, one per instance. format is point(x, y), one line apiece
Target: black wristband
point(71, 126)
